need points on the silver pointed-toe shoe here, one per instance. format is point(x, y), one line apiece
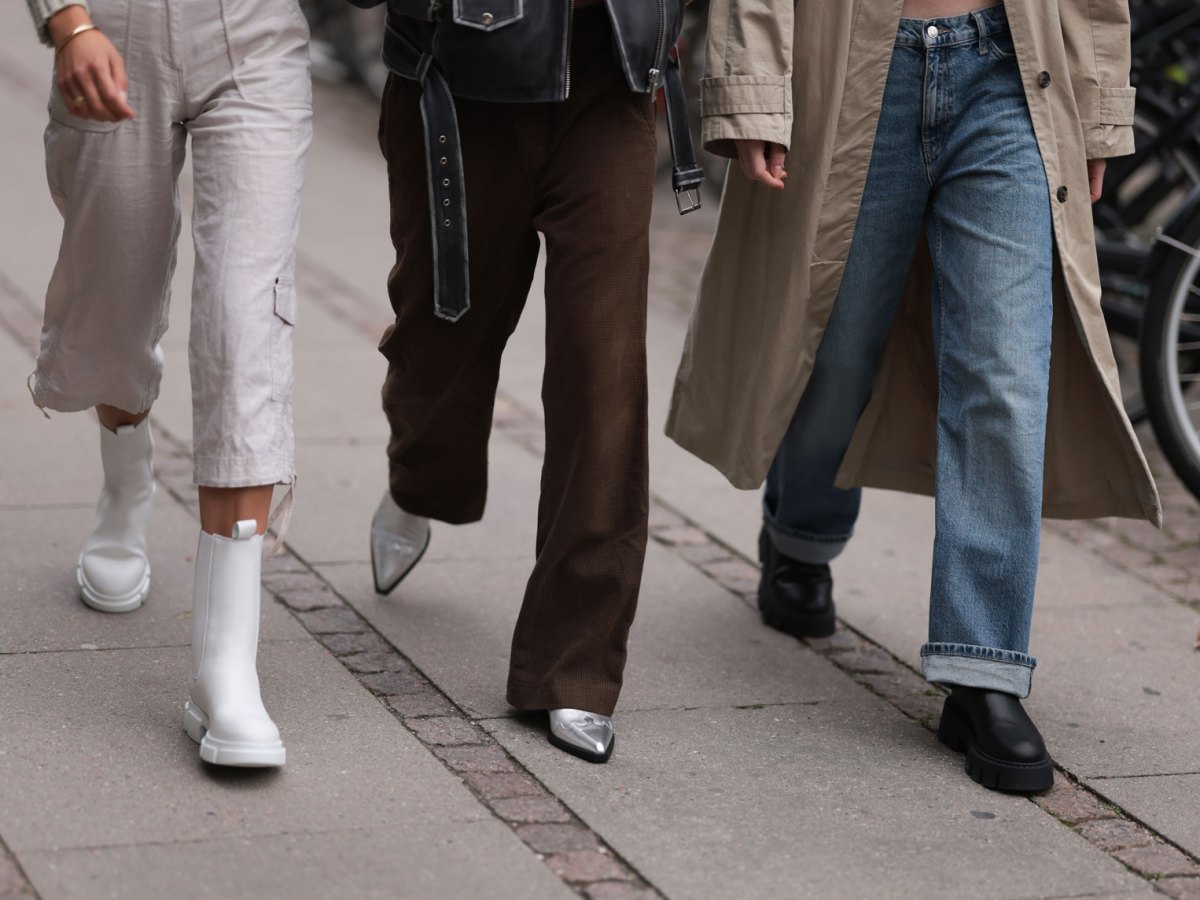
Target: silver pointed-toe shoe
point(584, 734)
point(398, 541)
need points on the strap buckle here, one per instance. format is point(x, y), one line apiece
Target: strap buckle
point(688, 200)
point(686, 180)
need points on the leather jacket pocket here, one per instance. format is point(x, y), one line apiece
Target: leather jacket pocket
point(488, 15)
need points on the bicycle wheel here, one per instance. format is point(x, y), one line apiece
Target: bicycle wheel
point(1170, 363)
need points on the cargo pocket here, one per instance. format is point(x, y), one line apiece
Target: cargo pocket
point(282, 326)
point(61, 113)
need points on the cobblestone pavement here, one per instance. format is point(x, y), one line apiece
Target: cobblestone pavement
point(852, 800)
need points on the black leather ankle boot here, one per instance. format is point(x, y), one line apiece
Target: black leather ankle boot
point(794, 597)
point(1004, 750)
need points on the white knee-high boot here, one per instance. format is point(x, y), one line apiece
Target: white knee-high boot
point(113, 572)
point(225, 712)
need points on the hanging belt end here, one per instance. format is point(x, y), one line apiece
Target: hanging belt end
point(687, 182)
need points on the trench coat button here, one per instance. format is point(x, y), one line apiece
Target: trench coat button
point(1062, 194)
point(1044, 80)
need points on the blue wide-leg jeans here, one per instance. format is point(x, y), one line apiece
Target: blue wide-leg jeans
point(955, 155)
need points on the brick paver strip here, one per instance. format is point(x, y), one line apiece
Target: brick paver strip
point(618, 890)
point(1157, 861)
point(1180, 888)
point(582, 866)
point(558, 838)
point(1071, 806)
point(13, 882)
point(1115, 834)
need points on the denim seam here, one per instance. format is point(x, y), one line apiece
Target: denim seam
point(924, 122)
point(941, 304)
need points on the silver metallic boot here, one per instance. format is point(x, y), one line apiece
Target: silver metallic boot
point(586, 735)
point(398, 541)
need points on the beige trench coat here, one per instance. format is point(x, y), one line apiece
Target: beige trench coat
point(810, 75)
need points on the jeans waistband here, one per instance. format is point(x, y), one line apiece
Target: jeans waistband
point(953, 31)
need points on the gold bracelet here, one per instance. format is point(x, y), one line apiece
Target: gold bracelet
point(79, 29)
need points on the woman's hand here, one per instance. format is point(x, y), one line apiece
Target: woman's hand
point(763, 161)
point(89, 70)
point(1096, 169)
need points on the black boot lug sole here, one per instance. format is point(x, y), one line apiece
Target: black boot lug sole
point(994, 774)
point(798, 625)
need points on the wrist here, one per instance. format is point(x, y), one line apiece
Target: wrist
point(60, 25)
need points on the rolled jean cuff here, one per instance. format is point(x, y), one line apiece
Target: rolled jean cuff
point(814, 549)
point(987, 668)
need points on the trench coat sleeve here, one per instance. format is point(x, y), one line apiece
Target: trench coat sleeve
point(1097, 38)
point(746, 92)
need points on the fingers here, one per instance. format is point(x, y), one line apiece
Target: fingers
point(776, 159)
point(91, 77)
point(93, 107)
point(1096, 169)
point(755, 165)
point(111, 96)
point(79, 91)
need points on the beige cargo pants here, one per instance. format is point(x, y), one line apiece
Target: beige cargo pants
point(233, 75)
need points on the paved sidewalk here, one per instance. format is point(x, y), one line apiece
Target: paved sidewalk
point(749, 765)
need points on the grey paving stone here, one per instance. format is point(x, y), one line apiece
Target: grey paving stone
point(337, 389)
point(1118, 690)
point(341, 486)
point(693, 644)
point(845, 800)
point(93, 754)
point(47, 462)
point(1168, 802)
point(405, 861)
point(42, 609)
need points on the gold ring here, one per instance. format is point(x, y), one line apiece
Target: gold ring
point(79, 101)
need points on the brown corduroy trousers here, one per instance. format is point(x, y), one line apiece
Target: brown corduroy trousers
point(581, 173)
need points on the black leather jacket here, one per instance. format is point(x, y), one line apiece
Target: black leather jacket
point(516, 51)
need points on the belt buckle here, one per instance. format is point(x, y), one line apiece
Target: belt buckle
point(688, 200)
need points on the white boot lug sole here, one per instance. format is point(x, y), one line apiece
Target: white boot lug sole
point(229, 753)
point(101, 603)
